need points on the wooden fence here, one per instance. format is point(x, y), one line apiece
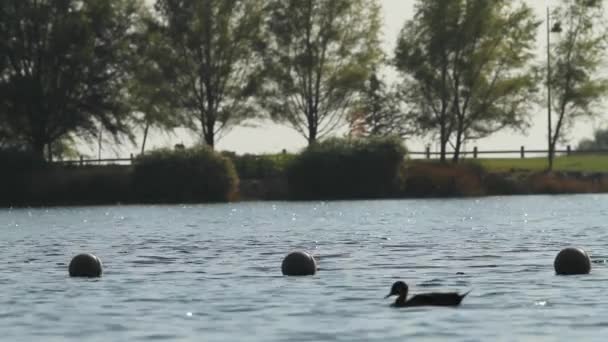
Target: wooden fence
point(103, 161)
point(521, 153)
point(428, 154)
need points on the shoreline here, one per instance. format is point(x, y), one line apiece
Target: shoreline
point(494, 184)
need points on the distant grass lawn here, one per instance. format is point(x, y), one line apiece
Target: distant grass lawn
point(583, 163)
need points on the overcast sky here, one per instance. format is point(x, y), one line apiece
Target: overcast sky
point(273, 138)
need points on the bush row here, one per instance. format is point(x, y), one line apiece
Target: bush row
point(16, 170)
point(330, 170)
point(250, 166)
point(164, 176)
point(348, 169)
point(189, 175)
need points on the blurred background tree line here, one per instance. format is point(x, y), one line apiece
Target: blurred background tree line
point(466, 69)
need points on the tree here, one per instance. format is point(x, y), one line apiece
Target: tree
point(467, 68)
point(62, 68)
point(151, 97)
point(215, 68)
point(599, 141)
point(318, 55)
point(6, 136)
point(577, 86)
point(379, 112)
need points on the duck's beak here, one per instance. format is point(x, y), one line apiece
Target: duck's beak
point(388, 295)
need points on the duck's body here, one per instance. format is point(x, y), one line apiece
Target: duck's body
point(431, 299)
point(400, 289)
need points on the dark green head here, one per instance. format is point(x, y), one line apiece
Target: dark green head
point(398, 289)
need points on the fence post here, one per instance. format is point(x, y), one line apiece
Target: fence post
point(569, 150)
point(81, 160)
point(523, 152)
point(131, 158)
point(428, 152)
point(475, 152)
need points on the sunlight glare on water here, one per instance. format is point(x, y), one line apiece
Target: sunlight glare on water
point(212, 272)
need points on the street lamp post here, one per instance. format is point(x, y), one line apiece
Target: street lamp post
point(555, 29)
point(99, 144)
point(550, 127)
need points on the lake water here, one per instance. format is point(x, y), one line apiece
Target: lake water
point(212, 272)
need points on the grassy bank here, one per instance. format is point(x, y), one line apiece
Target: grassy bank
point(573, 163)
point(432, 179)
point(424, 179)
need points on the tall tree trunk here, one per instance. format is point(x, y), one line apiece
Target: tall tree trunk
point(558, 126)
point(551, 155)
point(49, 149)
point(443, 142)
point(459, 113)
point(444, 136)
point(312, 125)
point(556, 134)
point(38, 149)
point(458, 146)
point(143, 143)
point(312, 134)
point(209, 135)
point(208, 126)
point(459, 134)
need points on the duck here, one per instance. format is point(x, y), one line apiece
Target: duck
point(400, 289)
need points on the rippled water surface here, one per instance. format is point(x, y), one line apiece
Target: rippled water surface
point(212, 272)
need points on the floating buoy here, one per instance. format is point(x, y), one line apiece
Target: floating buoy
point(299, 264)
point(86, 265)
point(572, 261)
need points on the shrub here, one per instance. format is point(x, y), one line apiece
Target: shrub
point(189, 175)
point(347, 169)
point(86, 185)
point(551, 184)
point(16, 168)
point(432, 179)
point(251, 166)
point(504, 184)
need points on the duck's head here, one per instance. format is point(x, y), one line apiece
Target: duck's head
point(399, 288)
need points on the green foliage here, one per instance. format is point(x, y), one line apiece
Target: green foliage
point(25, 180)
point(503, 184)
point(599, 141)
point(16, 168)
point(250, 166)
point(75, 185)
point(189, 175)
point(19, 160)
point(467, 68)
point(65, 148)
point(152, 99)
point(318, 55)
point(213, 65)
point(348, 169)
point(379, 112)
point(553, 184)
point(7, 138)
point(430, 179)
point(62, 68)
